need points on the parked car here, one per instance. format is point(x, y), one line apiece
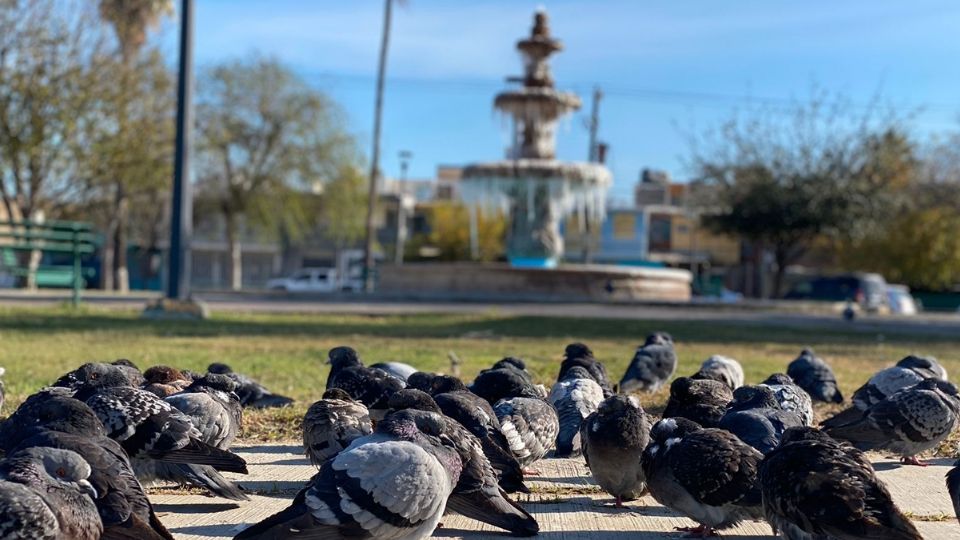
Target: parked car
point(307, 280)
point(901, 301)
point(868, 291)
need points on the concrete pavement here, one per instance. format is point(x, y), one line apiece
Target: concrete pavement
point(564, 500)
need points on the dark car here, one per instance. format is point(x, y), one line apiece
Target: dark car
point(869, 291)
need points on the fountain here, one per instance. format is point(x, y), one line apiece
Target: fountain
point(530, 186)
point(536, 191)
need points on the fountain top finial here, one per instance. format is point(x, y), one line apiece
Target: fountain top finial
point(541, 24)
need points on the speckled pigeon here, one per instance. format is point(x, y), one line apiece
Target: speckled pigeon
point(393, 484)
point(652, 366)
point(791, 397)
point(578, 354)
point(814, 488)
point(67, 423)
point(574, 397)
point(907, 423)
point(723, 369)
point(613, 439)
point(213, 407)
point(531, 427)
point(503, 383)
point(703, 401)
point(332, 423)
point(44, 493)
point(815, 376)
point(251, 393)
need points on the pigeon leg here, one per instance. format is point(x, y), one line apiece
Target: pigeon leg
point(913, 460)
point(700, 531)
point(619, 503)
point(531, 472)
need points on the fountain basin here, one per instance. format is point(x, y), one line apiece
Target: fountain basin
point(468, 281)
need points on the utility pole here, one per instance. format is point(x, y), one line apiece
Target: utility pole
point(405, 157)
point(368, 261)
point(181, 220)
point(593, 156)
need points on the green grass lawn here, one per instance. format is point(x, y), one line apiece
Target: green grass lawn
point(286, 352)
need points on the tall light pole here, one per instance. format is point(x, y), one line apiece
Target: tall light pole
point(405, 157)
point(368, 261)
point(181, 219)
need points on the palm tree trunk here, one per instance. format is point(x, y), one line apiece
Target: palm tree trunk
point(235, 250)
point(121, 274)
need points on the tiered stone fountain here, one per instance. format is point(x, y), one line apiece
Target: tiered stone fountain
point(531, 186)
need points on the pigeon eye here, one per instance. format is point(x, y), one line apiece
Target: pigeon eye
point(61, 473)
point(94, 375)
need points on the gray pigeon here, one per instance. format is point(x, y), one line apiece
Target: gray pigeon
point(341, 358)
point(703, 401)
point(723, 369)
point(372, 387)
point(791, 397)
point(530, 426)
point(886, 382)
point(907, 423)
point(251, 393)
point(708, 475)
point(44, 493)
point(395, 369)
point(756, 418)
point(613, 439)
point(814, 488)
point(953, 486)
point(67, 423)
point(814, 375)
point(393, 484)
point(332, 423)
point(90, 373)
point(652, 366)
point(130, 370)
point(574, 397)
point(578, 354)
point(213, 408)
point(504, 383)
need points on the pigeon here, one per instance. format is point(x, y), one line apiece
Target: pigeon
point(578, 354)
point(512, 362)
point(131, 370)
point(165, 381)
point(395, 369)
point(907, 423)
point(531, 427)
point(613, 439)
point(475, 414)
point(213, 407)
point(703, 401)
point(723, 369)
point(791, 397)
point(251, 393)
point(574, 397)
point(421, 380)
point(811, 373)
point(332, 423)
point(393, 484)
point(886, 382)
point(652, 366)
point(813, 488)
point(371, 387)
point(44, 493)
point(708, 475)
point(953, 487)
point(477, 494)
point(501, 383)
point(67, 423)
point(756, 418)
point(92, 372)
point(341, 358)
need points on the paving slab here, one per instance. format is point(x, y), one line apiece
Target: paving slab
point(564, 499)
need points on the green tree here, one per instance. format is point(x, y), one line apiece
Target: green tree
point(264, 136)
point(344, 198)
point(450, 234)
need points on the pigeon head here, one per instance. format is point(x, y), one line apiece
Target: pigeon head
point(98, 375)
point(807, 351)
point(337, 393)
point(411, 425)
point(577, 350)
point(341, 357)
point(659, 338)
point(666, 433)
point(753, 397)
point(420, 380)
point(510, 362)
point(618, 403)
point(66, 415)
point(778, 378)
point(219, 367)
point(410, 398)
point(442, 384)
point(163, 375)
point(124, 362)
point(804, 433)
point(45, 467)
point(216, 381)
point(924, 365)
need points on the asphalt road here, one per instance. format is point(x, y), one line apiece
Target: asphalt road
point(924, 324)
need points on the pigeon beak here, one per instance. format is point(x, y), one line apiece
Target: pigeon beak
point(88, 488)
point(327, 361)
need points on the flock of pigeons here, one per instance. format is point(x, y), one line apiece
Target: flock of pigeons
point(395, 447)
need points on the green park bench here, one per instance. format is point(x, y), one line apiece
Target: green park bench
point(71, 239)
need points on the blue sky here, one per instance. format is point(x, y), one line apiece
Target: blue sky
point(667, 68)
